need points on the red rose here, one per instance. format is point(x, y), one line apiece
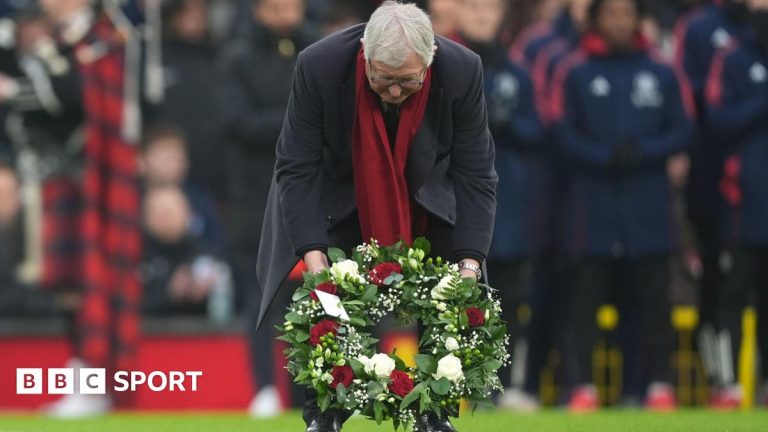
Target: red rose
point(327, 287)
point(383, 271)
point(342, 375)
point(401, 383)
point(321, 329)
point(476, 317)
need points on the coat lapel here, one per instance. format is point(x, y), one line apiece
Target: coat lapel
point(421, 158)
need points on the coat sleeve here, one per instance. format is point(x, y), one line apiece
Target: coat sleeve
point(472, 170)
point(732, 114)
point(575, 145)
point(298, 171)
point(524, 129)
point(678, 130)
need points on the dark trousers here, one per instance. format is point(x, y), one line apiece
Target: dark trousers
point(512, 279)
point(645, 292)
point(745, 279)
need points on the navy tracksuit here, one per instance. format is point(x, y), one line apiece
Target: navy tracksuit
point(737, 106)
point(617, 118)
point(517, 134)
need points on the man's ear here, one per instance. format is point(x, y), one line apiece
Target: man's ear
point(434, 49)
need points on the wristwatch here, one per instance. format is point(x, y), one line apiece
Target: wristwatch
point(473, 267)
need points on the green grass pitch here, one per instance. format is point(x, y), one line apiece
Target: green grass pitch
point(547, 421)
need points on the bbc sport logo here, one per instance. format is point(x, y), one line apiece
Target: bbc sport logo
point(94, 381)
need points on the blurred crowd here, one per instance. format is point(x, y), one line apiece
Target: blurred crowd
point(631, 146)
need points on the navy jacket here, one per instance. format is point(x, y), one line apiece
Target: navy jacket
point(517, 133)
point(618, 117)
point(539, 36)
point(450, 167)
point(737, 98)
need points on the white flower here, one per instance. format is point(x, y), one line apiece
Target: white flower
point(449, 367)
point(345, 268)
point(451, 344)
point(442, 307)
point(438, 292)
point(367, 363)
point(383, 365)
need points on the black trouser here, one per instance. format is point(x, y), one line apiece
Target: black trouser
point(512, 278)
point(747, 276)
point(645, 285)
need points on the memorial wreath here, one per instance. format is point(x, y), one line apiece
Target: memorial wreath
point(331, 348)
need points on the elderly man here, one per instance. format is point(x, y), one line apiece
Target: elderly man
point(385, 137)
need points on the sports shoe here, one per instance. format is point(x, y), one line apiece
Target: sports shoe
point(514, 399)
point(266, 403)
point(727, 399)
point(584, 400)
point(661, 398)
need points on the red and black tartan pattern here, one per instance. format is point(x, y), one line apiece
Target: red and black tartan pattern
point(61, 233)
point(109, 319)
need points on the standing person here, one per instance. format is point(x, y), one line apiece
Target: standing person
point(698, 35)
point(620, 114)
point(386, 137)
point(255, 93)
point(737, 107)
point(517, 131)
point(190, 98)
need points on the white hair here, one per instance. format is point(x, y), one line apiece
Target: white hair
point(395, 30)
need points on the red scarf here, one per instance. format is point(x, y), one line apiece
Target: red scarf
point(383, 200)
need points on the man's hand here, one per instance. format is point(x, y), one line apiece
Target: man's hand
point(467, 273)
point(316, 261)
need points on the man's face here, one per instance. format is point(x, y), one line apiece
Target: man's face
point(378, 74)
point(445, 14)
point(480, 19)
point(577, 9)
point(617, 22)
point(280, 16)
point(191, 21)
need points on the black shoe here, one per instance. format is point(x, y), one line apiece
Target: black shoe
point(430, 422)
point(326, 422)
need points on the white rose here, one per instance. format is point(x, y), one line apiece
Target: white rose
point(451, 344)
point(345, 268)
point(449, 367)
point(383, 365)
point(367, 363)
point(438, 292)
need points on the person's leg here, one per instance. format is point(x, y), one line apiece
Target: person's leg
point(650, 281)
point(589, 282)
point(511, 278)
point(734, 295)
point(761, 282)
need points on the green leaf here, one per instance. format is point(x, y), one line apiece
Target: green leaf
point(378, 411)
point(423, 244)
point(412, 396)
point(358, 368)
point(300, 294)
point(336, 255)
point(375, 388)
point(341, 393)
point(295, 318)
point(325, 400)
point(302, 335)
point(370, 294)
point(426, 363)
point(441, 386)
point(463, 319)
point(424, 401)
point(399, 363)
point(492, 365)
point(358, 321)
